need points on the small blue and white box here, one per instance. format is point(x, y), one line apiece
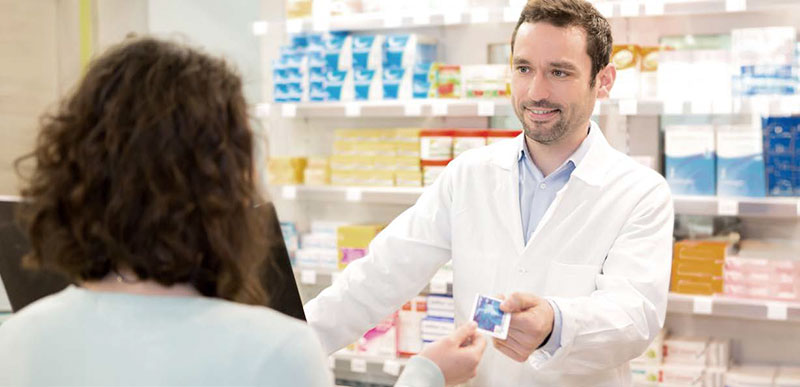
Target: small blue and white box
point(780, 143)
point(338, 51)
point(396, 83)
point(740, 162)
point(367, 51)
point(367, 85)
point(339, 85)
point(422, 80)
point(690, 159)
point(405, 50)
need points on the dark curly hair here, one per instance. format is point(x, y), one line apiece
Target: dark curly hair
point(567, 13)
point(148, 166)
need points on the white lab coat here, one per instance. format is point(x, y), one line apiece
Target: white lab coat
point(602, 252)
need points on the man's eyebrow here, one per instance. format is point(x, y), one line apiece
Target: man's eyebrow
point(564, 65)
point(520, 61)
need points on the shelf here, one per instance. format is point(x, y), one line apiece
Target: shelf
point(382, 195)
point(355, 364)
point(719, 306)
point(441, 283)
point(765, 105)
point(771, 207)
point(482, 15)
point(722, 306)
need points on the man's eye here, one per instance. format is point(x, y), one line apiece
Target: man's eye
point(523, 69)
point(559, 74)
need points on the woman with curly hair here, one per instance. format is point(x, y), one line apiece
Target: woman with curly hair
point(143, 194)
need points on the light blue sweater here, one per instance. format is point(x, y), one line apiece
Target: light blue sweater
point(83, 337)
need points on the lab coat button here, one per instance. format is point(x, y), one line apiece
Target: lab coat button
point(543, 186)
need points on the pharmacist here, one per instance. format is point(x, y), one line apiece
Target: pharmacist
point(575, 235)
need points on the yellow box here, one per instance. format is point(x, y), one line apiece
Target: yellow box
point(286, 170)
point(353, 242)
point(408, 178)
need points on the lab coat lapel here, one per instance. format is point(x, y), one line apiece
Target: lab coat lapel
point(507, 192)
point(581, 188)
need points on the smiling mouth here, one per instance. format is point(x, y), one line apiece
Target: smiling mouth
point(539, 114)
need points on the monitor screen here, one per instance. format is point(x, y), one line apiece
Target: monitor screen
point(24, 286)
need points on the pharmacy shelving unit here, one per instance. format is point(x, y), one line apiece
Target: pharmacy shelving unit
point(486, 108)
point(510, 14)
point(631, 125)
point(717, 305)
point(770, 207)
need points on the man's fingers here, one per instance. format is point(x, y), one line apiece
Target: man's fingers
point(518, 302)
point(509, 351)
point(479, 343)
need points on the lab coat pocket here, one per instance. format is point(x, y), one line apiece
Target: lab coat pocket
point(570, 280)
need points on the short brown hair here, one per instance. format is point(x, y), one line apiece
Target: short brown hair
point(567, 13)
point(148, 166)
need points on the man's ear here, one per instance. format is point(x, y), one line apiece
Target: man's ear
point(605, 81)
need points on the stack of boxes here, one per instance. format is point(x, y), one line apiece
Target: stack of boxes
point(319, 248)
point(376, 158)
point(439, 146)
point(763, 270)
point(440, 320)
point(734, 160)
point(765, 61)
point(697, 266)
point(682, 361)
point(782, 155)
point(352, 242)
point(409, 326)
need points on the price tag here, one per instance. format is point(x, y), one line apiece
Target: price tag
point(294, 26)
point(391, 367)
point(702, 305)
point(452, 18)
point(627, 107)
point(777, 311)
point(485, 108)
point(479, 15)
point(358, 366)
point(260, 28)
point(721, 106)
point(673, 107)
point(263, 110)
point(629, 9)
point(352, 109)
point(511, 15)
point(439, 108)
point(289, 192)
point(393, 21)
point(798, 208)
point(735, 5)
point(321, 24)
point(438, 286)
point(289, 110)
point(308, 277)
point(787, 106)
point(353, 195)
point(759, 106)
point(413, 109)
point(422, 19)
point(605, 9)
point(727, 207)
point(701, 107)
point(654, 7)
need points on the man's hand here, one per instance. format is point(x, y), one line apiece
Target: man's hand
point(531, 323)
point(457, 355)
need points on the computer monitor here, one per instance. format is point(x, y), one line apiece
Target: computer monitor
point(25, 286)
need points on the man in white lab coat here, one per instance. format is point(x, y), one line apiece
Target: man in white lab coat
point(576, 235)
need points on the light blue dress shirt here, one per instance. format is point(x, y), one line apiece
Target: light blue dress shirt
point(536, 194)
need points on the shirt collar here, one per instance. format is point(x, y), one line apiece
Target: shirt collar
point(575, 158)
